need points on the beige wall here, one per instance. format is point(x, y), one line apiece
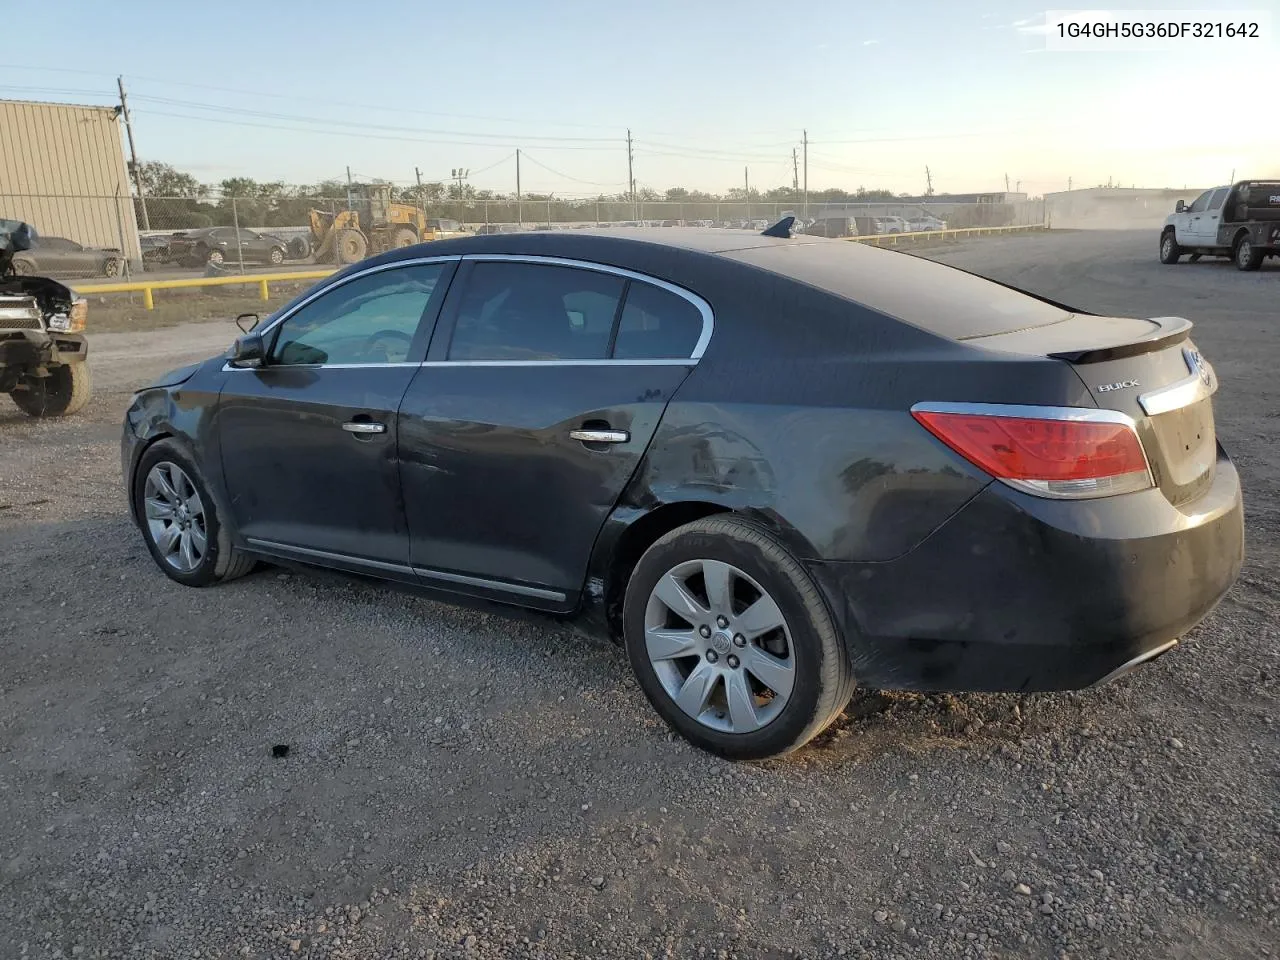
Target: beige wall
point(62, 170)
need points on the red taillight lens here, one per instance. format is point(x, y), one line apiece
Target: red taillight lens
point(1046, 455)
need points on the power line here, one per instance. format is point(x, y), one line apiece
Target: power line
point(538, 163)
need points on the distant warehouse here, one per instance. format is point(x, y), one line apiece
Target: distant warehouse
point(62, 169)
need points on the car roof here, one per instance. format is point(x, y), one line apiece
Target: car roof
point(929, 295)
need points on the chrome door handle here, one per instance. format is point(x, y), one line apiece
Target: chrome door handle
point(600, 436)
point(364, 427)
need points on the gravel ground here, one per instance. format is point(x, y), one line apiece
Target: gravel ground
point(463, 785)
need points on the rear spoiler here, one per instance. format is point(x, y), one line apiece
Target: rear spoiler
point(1171, 330)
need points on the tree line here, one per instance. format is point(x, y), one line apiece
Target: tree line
point(177, 200)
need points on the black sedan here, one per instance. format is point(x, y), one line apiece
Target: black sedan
point(224, 245)
point(772, 466)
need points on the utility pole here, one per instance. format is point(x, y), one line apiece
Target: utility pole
point(1017, 187)
point(928, 179)
point(1006, 183)
point(806, 173)
point(348, 186)
point(422, 201)
point(795, 172)
point(631, 176)
point(1068, 184)
point(746, 184)
point(133, 153)
point(519, 199)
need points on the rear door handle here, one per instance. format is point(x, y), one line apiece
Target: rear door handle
point(364, 427)
point(600, 436)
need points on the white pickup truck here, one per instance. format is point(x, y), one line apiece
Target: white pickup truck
point(1240, 221)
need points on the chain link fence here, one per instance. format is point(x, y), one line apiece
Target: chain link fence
point(86, 236)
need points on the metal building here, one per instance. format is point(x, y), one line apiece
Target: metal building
point(62, 169)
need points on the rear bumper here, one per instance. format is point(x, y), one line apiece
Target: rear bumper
point(1017, 593)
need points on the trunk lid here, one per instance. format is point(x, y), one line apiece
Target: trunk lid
point(1147, 369)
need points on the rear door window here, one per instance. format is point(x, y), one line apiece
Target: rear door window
point(530, 311)
point(656, 325)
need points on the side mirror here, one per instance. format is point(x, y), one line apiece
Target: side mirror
point(247, 318)
point(248, 351)
point(1181, 207)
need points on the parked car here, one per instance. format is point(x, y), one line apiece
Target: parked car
point(891, 225)
point(61, 257)
point(445, 228)
point(925, 222)
point(155, 249)
point(219, 245)
point(857, 466)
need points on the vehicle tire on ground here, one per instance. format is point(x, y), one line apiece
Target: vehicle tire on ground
point(180, 520)
point(23, 267)
point(1247, 256)
point(299, 248)
point(350, 246)
point(1169, 249)
point(276, 256)
point(215, 257)
point(112, 267)
point(732, 642)
point(63, 392)
point(403, 237)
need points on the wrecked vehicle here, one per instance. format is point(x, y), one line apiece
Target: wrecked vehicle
point(42, 344)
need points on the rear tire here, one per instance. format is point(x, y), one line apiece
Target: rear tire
point(804, 651)
point(218, 561)
point(1169, 249)
point(299, 248)
point(403, 237)
point(350, 246)
point(63, 392)
point(1246, 255)
point(215, 257)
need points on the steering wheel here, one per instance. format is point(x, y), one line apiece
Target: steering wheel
point(371, 344)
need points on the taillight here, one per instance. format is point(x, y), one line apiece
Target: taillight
point(1049, 451)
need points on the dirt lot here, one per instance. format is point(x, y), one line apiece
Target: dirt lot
point(461, 785)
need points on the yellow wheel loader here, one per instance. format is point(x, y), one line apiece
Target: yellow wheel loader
point(372, 224)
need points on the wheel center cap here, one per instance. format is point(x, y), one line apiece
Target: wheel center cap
point(721, 641)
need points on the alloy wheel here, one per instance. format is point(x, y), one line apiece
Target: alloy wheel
point(720, 646)
point(175, 517)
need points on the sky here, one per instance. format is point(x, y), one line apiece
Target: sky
point(711, 91)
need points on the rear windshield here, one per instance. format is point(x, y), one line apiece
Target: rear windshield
point(944, 301)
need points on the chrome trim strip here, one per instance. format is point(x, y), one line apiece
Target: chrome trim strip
point(1201, 384)
point(1090, 414)
point(1136, 662)
point(227, 367)
point(704, 308)
point(678, 362)
point(600, 436)
point(498, 585)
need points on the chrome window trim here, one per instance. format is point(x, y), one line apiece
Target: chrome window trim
point(316, 294)
point(701, 305)
point(704, 308)
point(1074, 414)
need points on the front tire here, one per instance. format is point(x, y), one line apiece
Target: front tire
point(215, 257)
point(1169, 249)
point(276, 256)
point(1247, 256)
point(403, 237)
point(63, 392)
point(180, 521)
point(732, 642)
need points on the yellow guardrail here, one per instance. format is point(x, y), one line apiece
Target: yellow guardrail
point(892, 239)
point(262, 280)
